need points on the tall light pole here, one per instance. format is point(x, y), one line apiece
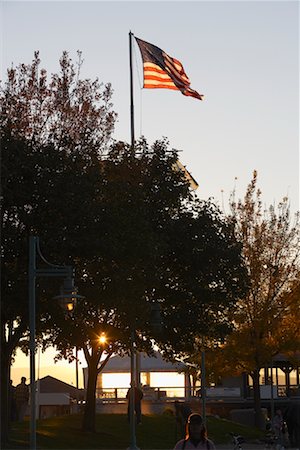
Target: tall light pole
point(67, 297)
point(203, 385)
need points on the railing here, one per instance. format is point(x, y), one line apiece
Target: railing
point(279, 391)
point(151, 394)
point(173, 393)
point(292, 391)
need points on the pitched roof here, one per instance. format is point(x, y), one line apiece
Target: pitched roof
point(52, 385)
point(147, 364)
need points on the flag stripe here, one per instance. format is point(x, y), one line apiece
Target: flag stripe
point(155, 72)
point(162, 80)
point(161, 86)
point(174, 73)
point(155, 77)
point(176, 69)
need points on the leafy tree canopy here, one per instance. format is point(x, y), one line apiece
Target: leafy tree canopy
point(266, 319)
point(126, 219)
point(52, 133)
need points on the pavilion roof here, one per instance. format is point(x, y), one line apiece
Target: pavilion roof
point(147, 364)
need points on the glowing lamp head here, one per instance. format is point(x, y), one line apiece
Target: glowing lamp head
point(67, 304)
point(68, 296)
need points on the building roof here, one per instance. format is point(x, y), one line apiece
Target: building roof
point(147, 364)
point(51, 385)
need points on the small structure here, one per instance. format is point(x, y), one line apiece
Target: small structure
point(56, 398)
point(283, 374)
point(160, 379)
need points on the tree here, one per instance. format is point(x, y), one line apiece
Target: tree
point(153, 241)
point(128, 222)
point(267, 319)
point(65, 111)
point(52, 133)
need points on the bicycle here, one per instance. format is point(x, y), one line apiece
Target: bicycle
point(237, 441)
point(270, 441)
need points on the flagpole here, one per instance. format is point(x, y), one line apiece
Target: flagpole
point(131, 92)
point(131, 399)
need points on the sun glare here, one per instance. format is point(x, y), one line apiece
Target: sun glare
point(102, 339)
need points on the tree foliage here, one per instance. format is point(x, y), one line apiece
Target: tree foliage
point(267, 319)
point(52, 133)
point(41, 122)
point(127, 222)
point(66, 111)
point(152, 241)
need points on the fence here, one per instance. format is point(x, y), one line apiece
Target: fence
point(279, 391)
point(151, 394)
point(173, 393)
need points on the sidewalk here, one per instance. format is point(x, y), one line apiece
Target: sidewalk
point(250, 446)
point(245, 446)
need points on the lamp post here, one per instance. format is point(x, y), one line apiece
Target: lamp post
point(203, 385)
point(67, 297)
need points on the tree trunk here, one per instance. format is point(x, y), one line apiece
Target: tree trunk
point(7, 347)
point(89, 417)
point(5, 406)
point(258, 416)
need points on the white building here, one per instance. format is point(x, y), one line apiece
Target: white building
point(158, 377)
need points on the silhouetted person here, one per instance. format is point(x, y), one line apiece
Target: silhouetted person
point(182, 411)
point(12, 402)
point(22, 397)
point(292, 417)
point(278, 426)
point(138, 395)
point(196, 435)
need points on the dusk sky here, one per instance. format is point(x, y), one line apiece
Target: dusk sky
point(243, 56)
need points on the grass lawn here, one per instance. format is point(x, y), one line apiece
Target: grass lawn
point(112, 432)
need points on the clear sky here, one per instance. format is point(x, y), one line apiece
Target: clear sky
point(243, 56)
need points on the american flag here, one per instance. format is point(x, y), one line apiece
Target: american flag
point(163, 71)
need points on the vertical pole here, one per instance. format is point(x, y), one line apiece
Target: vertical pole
point(133, 445)
point(31, 295)
point(272, 392)
point(203, 386)
point(138, 368)
point(131, 92)
point(76, 355)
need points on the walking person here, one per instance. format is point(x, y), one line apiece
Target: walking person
point(22, 397)
point(196, 435)
point(138, 395)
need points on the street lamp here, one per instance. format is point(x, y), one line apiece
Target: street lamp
point(68, 296)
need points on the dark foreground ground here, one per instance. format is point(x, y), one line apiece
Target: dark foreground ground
point(157, 432)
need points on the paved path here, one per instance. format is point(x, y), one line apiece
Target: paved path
point(245, 446)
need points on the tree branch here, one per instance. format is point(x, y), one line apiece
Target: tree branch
point(103, 364)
